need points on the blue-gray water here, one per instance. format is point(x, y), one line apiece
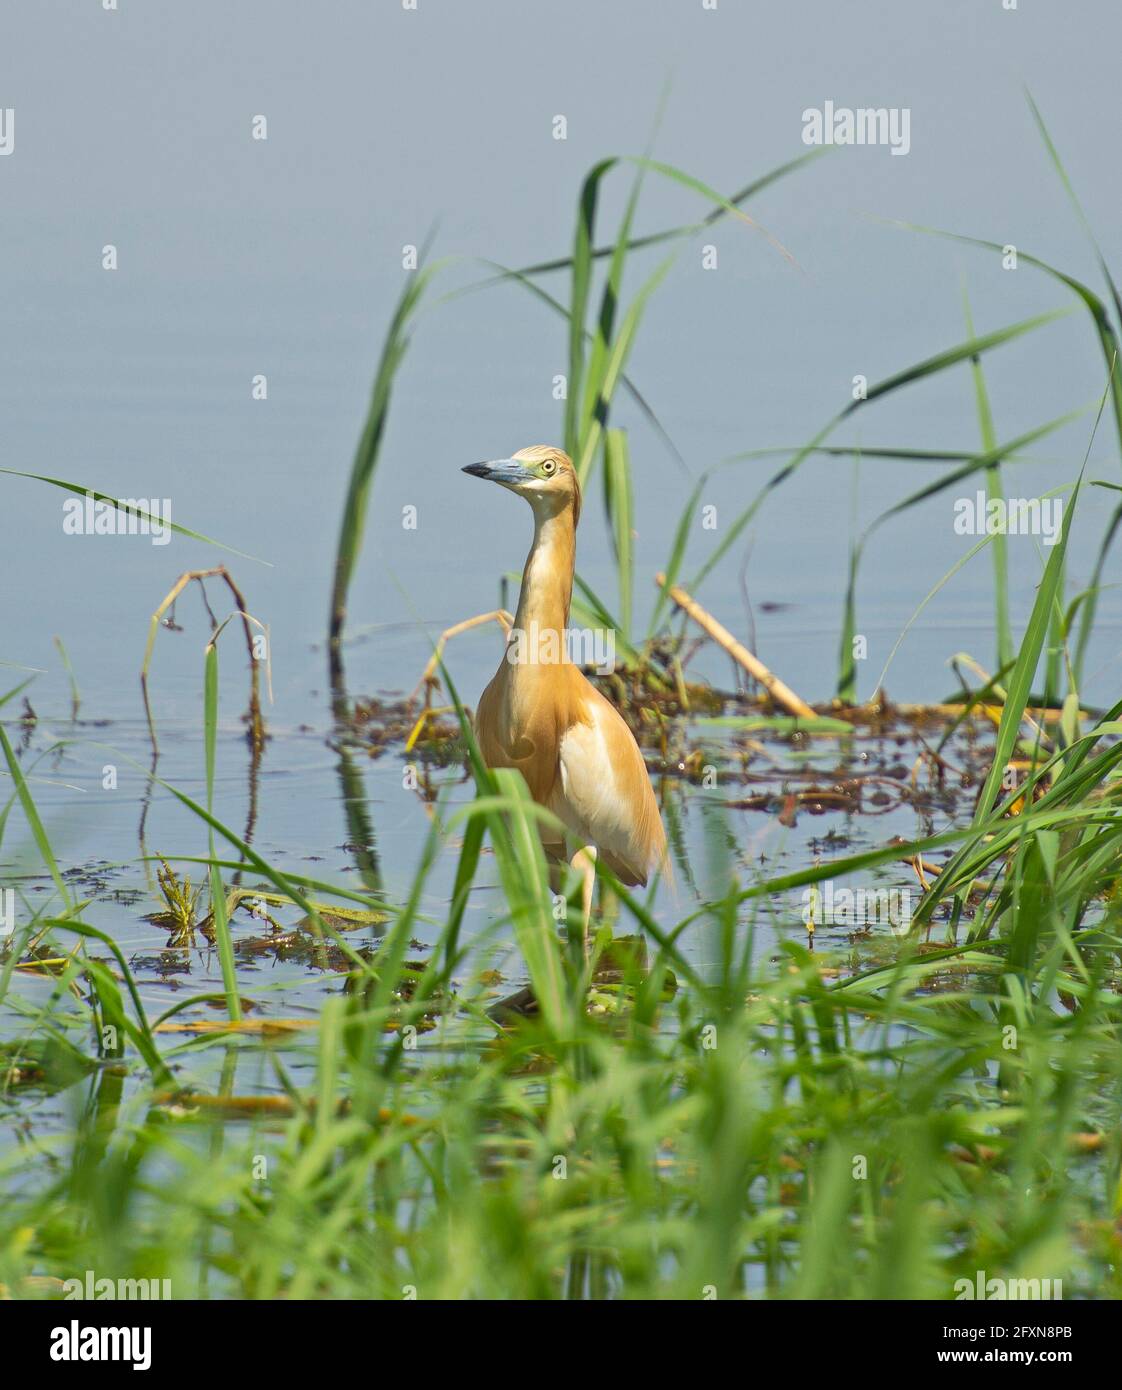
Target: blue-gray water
point(283, 257)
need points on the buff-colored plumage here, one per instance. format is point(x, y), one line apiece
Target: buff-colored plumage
point(544, 717)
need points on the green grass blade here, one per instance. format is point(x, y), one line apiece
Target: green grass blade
point(962, 352)
point(1020, 682)
point(594, 612)
point(609, 303)
point(626, 381)
point(613, 367)
point(80, 490)
point(856, 451)
point(1087, 617)
point(1108, 340)
point(140, 1031)
point(217, 889)
point(686, 230)
point(1054, 155)
point(732, 535)
point(578, 297)
point(994, 490)
point(927, 367)
point(847, 661)
point(75, 693)
point(619, 504)
point(31, 814)
point(366, 460)
point(980, 462)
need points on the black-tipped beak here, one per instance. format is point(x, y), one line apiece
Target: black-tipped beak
point(509, 472)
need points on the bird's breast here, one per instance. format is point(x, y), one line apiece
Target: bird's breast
point(522, 717)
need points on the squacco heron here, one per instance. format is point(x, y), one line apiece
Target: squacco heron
point(542, 716)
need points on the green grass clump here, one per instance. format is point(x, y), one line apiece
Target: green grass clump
point(768, 1127)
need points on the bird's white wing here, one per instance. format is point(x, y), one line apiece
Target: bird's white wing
point(604, 795)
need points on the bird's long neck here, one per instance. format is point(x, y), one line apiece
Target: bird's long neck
point(547, 580)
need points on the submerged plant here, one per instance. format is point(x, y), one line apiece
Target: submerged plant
point(179, 914)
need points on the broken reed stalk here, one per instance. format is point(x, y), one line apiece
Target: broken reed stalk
point(428, 675)
point(780, 694)
point(256, 730)
point(283, 1107)
point(989, 710)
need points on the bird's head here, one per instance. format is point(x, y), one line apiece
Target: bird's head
point(544, 475)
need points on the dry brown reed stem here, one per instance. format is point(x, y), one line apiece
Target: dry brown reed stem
point(256, 733)
point(781, 694)
point(498, 615)
point(280, 1106)
point(991, 711)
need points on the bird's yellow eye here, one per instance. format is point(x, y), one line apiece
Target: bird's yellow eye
point(549, 467)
